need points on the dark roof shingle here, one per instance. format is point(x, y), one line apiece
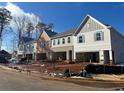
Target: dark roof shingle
point(66, 33)
point(50, 33)
point(27, 39)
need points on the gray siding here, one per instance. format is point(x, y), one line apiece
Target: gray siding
point(117, 42)
point(92, 26)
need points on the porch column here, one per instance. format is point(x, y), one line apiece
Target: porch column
point(73, 55)
point(101, 56)
point(110, 56)
point(33, 56)
point(67, 55)
point(47, 56)
point(51, 56)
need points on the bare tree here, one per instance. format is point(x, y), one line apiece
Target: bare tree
point(20, 23)
point(5, 17)
point(29, 29)
point(39, 28)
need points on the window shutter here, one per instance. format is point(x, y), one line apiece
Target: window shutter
point(94, 36)
point(78, 39)
point(84, 38)
point(102, 35)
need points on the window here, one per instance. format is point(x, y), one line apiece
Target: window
point(63, 41)
point(69, 40)
point(58, 41)
point(27, 46)
point(32, 46)
point(54, 42)
point(99, 36)
point(20, 48)
point(81, 39)
point(43, 44)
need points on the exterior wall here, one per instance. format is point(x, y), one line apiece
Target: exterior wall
point(44, 39)
point(117, 46)
point(90, 44)
point(29, 48)
point(20, 49)
point(62, 45)
point(91, 25)
point(43, 46)
point(62, 49)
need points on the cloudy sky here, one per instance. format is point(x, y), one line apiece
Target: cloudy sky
point(68, 15)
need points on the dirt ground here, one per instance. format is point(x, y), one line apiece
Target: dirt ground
point(11, 80)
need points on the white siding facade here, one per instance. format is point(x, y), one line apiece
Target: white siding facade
point(109, 41)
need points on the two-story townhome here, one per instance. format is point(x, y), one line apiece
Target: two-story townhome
point(38, 49)
point(92, 41)
point(63, 45)
point(43, 45)
point(26, 48)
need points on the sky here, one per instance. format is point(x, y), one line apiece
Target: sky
point(65, 16)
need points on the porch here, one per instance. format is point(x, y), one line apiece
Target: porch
point(102, 57)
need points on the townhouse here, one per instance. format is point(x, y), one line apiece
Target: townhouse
point(92, 41)
point(43, 45)
point(36, 49)
point(26, 48)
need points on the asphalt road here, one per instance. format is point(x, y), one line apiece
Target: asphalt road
point(14, 81)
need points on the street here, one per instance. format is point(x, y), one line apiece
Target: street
point(15, 81)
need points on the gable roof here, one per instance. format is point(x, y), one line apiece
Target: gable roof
point(3, 52)
point(85, 20)
point(50, 33)
point(75, 31)
point(66, 33)
point(27, 39)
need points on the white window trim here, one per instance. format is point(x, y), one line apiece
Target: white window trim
point(58, 40)
point(83, 38)
point(62, 40)
point(101, 34)
point(68, 39)
point(54, 42)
